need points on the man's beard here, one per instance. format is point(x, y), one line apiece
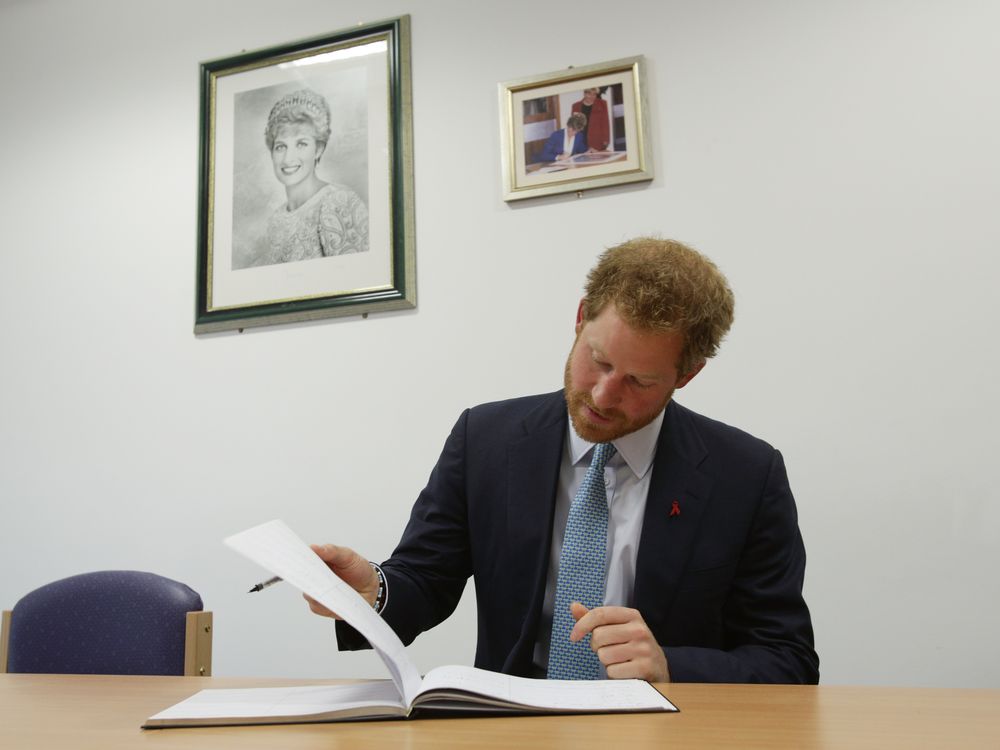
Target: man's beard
point(619, 426)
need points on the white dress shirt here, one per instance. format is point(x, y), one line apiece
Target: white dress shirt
point(568, 142)
point(626, 477)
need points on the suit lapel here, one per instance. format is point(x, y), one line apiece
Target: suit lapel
point(532, 479)
point(670, 531)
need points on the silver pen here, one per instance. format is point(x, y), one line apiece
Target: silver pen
point(264, 584)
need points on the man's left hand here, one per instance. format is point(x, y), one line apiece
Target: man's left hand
point(623, 642)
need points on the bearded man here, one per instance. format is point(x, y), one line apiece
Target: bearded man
point(609, 531)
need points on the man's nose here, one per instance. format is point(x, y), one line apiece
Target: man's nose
point(606, 392)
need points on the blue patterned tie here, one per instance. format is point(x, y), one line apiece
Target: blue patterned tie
point(581, 572)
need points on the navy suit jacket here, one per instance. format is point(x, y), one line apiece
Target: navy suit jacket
point(556, 144)
point(719, 584)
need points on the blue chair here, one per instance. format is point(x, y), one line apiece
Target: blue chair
point(108, 622)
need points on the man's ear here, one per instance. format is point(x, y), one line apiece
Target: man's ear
point(579, 316)
point(690, 376)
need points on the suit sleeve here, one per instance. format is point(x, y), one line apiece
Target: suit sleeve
point(553, 146)
point(428, 570)
point(766, 625)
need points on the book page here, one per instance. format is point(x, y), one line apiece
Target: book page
point(555, 695)
point(375, 698)
point(276, 548)
point(598, 157)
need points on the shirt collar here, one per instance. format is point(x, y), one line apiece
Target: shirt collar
point(637, 448)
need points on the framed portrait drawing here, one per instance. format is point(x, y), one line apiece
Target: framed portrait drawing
point(306, 181)
point(574, 130)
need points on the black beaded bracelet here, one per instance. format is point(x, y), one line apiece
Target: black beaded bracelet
point(383, 590)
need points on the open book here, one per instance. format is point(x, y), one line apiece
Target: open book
point(445, 689)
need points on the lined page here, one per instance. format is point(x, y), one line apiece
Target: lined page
point(276, 548)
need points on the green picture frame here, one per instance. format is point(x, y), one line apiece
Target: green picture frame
point(306, 181)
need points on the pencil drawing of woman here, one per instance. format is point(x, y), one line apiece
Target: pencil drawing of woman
point(318, 218)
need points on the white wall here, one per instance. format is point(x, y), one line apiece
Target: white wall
point(840, 161)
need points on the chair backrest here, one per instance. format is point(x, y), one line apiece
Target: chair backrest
point(109, 622)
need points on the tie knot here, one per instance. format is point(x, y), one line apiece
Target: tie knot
point(602, 452)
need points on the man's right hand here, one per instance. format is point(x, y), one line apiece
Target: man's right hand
point(350, 567)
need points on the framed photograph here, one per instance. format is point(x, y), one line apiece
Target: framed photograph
point(574, 130)
point(306, 181)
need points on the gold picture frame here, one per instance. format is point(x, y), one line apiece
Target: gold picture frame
point(540, 139)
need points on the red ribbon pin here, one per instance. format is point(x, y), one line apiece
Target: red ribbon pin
point(675, 509)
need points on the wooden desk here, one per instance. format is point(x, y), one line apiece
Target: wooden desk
point(104, 713)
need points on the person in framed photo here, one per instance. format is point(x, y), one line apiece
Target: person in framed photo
point(318, 219)
point(597, 132)
point(566, 142)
